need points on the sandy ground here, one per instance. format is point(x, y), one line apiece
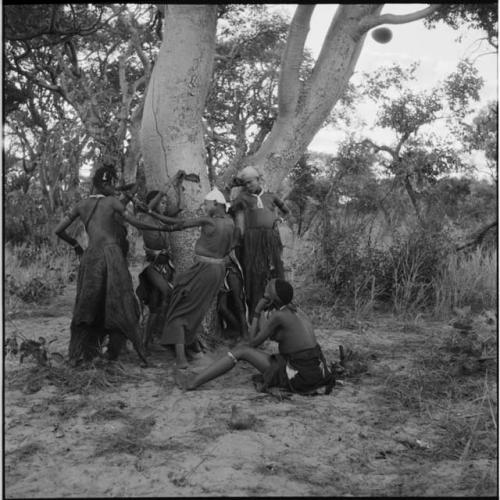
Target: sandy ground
point(145, 437)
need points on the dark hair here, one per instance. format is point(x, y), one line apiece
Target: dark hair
point(103, 175)
point(284, 291)
point(151, 195)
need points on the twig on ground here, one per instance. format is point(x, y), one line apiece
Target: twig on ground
point(183, 479)
point(473, 432)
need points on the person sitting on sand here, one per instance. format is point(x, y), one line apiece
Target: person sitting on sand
point(300, 365)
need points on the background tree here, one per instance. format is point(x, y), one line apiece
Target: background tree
point(482, 16)
point(482, 135)
point(82, 70)
point(417, 157)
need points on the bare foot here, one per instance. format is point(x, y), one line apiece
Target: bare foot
point(196, 355)
point(181, 364)
point(181, 378)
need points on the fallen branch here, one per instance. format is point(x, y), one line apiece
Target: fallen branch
point(478, 237)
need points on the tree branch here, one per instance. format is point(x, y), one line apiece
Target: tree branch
point(387, 149)
point(289, 83)
point(34, 80)
point(478, 237)
point(372, 21)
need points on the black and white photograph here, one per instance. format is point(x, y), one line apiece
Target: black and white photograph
point(250, 250)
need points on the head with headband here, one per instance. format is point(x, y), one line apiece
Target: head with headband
point(250, 177)
point(279, 292)
point(214, 199)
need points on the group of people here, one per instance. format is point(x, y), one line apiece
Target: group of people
point(237, 257)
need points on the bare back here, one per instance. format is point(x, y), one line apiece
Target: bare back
point(102, 219)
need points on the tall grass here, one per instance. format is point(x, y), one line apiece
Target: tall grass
point(469, 279)
point(34, 274)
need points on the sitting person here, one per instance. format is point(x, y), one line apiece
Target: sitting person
point(300, 365)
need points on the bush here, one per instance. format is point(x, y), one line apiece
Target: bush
point(361, 274)
point(416, 261)
point(353, 271)
point(466, 280)
point(36, 273)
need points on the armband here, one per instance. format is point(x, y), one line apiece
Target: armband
point(232, 356)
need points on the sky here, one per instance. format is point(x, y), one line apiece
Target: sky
point(437, 50)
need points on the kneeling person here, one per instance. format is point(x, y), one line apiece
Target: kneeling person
point(300, 365)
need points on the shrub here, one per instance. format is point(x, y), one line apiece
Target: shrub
point(37, 273)
point(359, 273)
point(416, 260)
point(466, 279)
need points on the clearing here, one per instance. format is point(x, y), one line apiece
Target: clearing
point(416, 416)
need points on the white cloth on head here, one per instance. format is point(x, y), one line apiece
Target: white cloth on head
point(217, 196)
point(248, 173)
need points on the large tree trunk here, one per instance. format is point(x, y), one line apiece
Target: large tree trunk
point(303, 110)
point(172, 129)
point(172, 132)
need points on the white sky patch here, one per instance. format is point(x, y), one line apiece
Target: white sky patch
point(438, 51)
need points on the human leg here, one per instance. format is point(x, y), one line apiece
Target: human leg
point(258, 359)
point(84, 342)
point(116, 342)
point(226, 313)
point(180, 357)
point(236, 291)
point(175, 330)
point(159, 295)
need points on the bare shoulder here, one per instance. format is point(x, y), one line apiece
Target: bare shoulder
point(114, 203)
point(205, 220)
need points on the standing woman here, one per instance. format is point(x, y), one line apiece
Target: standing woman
point(156, 279)
point(261, 247)
point(195, 289)
point(105, 303)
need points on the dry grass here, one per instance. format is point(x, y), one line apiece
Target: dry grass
point(34, 276)
point(467, 280)
point(96, 376)
point(448, 383)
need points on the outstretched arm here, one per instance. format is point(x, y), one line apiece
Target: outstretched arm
point(60, 230)
point(164, 218)
point(172, 223)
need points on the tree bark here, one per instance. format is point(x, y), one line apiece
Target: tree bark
point(302, 112)
point(172, 129)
